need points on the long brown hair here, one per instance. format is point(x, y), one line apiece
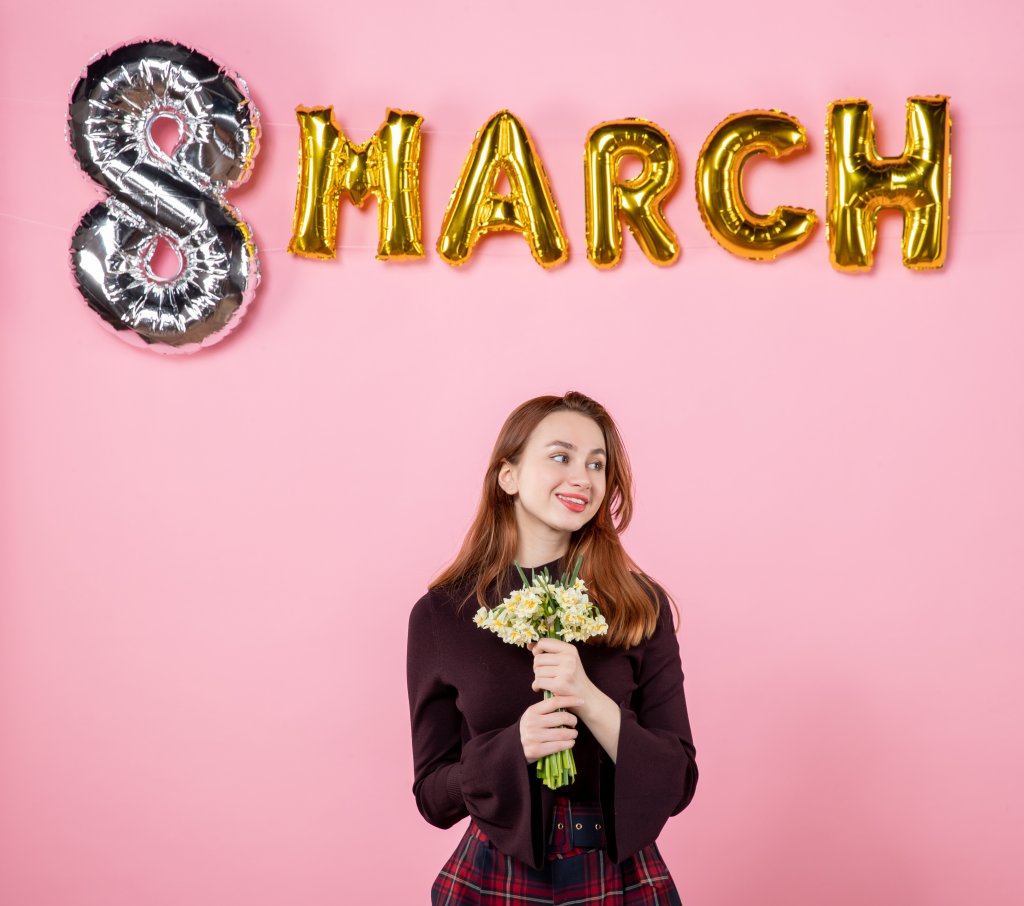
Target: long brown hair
point(627, 596)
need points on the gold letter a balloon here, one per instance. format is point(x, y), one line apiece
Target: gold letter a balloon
point(475, 208)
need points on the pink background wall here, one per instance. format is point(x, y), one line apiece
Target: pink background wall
point(207, 562)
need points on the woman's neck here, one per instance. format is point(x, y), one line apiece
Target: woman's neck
point(532, 551)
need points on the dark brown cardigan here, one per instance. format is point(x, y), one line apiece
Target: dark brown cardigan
point(467, 692)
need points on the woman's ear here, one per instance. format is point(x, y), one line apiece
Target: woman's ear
point(507, 478)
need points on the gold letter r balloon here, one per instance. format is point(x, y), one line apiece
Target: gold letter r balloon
point(639, 200)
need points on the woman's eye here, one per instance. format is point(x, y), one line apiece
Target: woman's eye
point(597, 466)
point(564, 456)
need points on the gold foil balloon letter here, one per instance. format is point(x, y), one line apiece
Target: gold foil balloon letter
point(387, 167)
point(860, 182)
point(639, 200)
point(476, 208)
point(758, 237)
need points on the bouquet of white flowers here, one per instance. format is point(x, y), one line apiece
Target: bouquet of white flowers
point(546, 609)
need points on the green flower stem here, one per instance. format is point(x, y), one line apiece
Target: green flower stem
point(559, 768)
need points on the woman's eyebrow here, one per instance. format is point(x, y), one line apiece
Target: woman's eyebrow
point(569, 446)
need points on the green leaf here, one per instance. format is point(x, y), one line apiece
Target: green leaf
point(521, 573)
point(576, 569)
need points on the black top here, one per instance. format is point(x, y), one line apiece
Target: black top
point(467, 692)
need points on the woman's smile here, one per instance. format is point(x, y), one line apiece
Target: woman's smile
point(573, 502)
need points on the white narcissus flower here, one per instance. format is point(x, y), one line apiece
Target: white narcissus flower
point(522, 617)
point(568, 597)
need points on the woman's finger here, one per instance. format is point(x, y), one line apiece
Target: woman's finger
point(555, 702)
point(548, 659)
point(558, 719)
point(546, 644)
point(547, 671)
point(536, 753)
point(559, 745)
point(553, 734)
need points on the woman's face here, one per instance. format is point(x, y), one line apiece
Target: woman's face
point(559, 481)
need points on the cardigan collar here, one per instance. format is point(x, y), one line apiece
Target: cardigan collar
point(554, 568)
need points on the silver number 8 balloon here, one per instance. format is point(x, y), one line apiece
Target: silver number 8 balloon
point(154, 195)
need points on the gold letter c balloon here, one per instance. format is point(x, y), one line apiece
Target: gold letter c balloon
point(723, 209)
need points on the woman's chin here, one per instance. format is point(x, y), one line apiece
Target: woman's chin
point(569, 523)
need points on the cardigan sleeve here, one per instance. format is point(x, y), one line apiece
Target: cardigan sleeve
point(436, 725)
point(655, 772)
point(487, 776)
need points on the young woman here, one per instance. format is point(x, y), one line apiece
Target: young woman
point(558, 485)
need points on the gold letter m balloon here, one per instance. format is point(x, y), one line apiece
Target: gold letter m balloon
point(860, 182)
point(387, 167)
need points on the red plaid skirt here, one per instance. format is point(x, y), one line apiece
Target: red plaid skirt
point(577, 869)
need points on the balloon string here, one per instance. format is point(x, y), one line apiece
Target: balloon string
point(269, 251)
point(691, 246)
point(277, 249)
point(50, 226)
point(686, 246)
point(467, 133)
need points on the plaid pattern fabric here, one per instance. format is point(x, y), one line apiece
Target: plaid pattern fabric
point(577, 870)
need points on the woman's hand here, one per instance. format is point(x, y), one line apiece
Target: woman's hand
point(558, 669)
point(544, 730)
